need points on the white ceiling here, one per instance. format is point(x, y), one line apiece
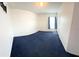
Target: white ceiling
point(53, 7)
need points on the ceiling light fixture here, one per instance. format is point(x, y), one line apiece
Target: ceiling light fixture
point(40, 4)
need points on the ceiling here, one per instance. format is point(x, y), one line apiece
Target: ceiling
point(53, 7)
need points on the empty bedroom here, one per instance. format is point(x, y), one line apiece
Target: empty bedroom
point(39, 29)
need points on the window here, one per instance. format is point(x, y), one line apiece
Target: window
point(52, 22)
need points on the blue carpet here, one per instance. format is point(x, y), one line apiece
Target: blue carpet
point(40, 44)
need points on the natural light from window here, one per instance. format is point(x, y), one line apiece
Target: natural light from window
point(52, 22)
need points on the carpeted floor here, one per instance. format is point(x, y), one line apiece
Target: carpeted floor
point(40, 44)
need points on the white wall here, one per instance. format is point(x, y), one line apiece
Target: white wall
point(68, 27)
point(42, 20)
point(24, 22)
point(5, 34)
point(73, 43)
point(64, 22)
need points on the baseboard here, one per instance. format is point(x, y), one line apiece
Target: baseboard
point(73, 55)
